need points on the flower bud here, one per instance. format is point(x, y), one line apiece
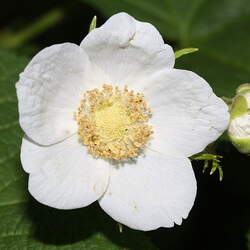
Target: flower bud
point(239, 127)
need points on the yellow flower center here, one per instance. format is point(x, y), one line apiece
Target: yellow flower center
point(113, 122)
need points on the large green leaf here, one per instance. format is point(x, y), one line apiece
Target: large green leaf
point(220, 29)
point(26, 224)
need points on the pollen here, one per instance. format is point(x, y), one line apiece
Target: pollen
point(113, 122)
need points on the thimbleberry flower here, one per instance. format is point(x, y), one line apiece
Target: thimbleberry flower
point(112, 121)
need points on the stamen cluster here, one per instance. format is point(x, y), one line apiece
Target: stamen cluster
point(112, 122)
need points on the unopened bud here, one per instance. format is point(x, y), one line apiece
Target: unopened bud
point(239, 127)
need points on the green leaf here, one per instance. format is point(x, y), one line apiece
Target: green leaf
point(220, 29)
point(26, 224)
point(185, 51)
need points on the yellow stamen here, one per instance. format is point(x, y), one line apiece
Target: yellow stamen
point(112, 122)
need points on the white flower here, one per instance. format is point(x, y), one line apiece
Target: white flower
point(239, 126)
point(75, 138)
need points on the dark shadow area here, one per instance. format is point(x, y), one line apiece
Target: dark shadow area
point(16, 14)
point(59, 227)
point(73, 28)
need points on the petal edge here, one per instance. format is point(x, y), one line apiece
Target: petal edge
point(154, 192)
point(64, 175)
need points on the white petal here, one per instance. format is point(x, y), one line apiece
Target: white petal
point(64, 175)
point(152, 192)
point(126, 51)
point(49, 92)
point(187, 115)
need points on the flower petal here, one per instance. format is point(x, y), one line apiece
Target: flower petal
point(64, 175)
point(187, 115)
point(150, 193)
point(125, 51)
point(49, 92)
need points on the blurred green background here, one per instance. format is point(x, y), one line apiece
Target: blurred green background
point(220, 218)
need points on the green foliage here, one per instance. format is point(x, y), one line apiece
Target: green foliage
point(220, 29)
point(26, 224)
